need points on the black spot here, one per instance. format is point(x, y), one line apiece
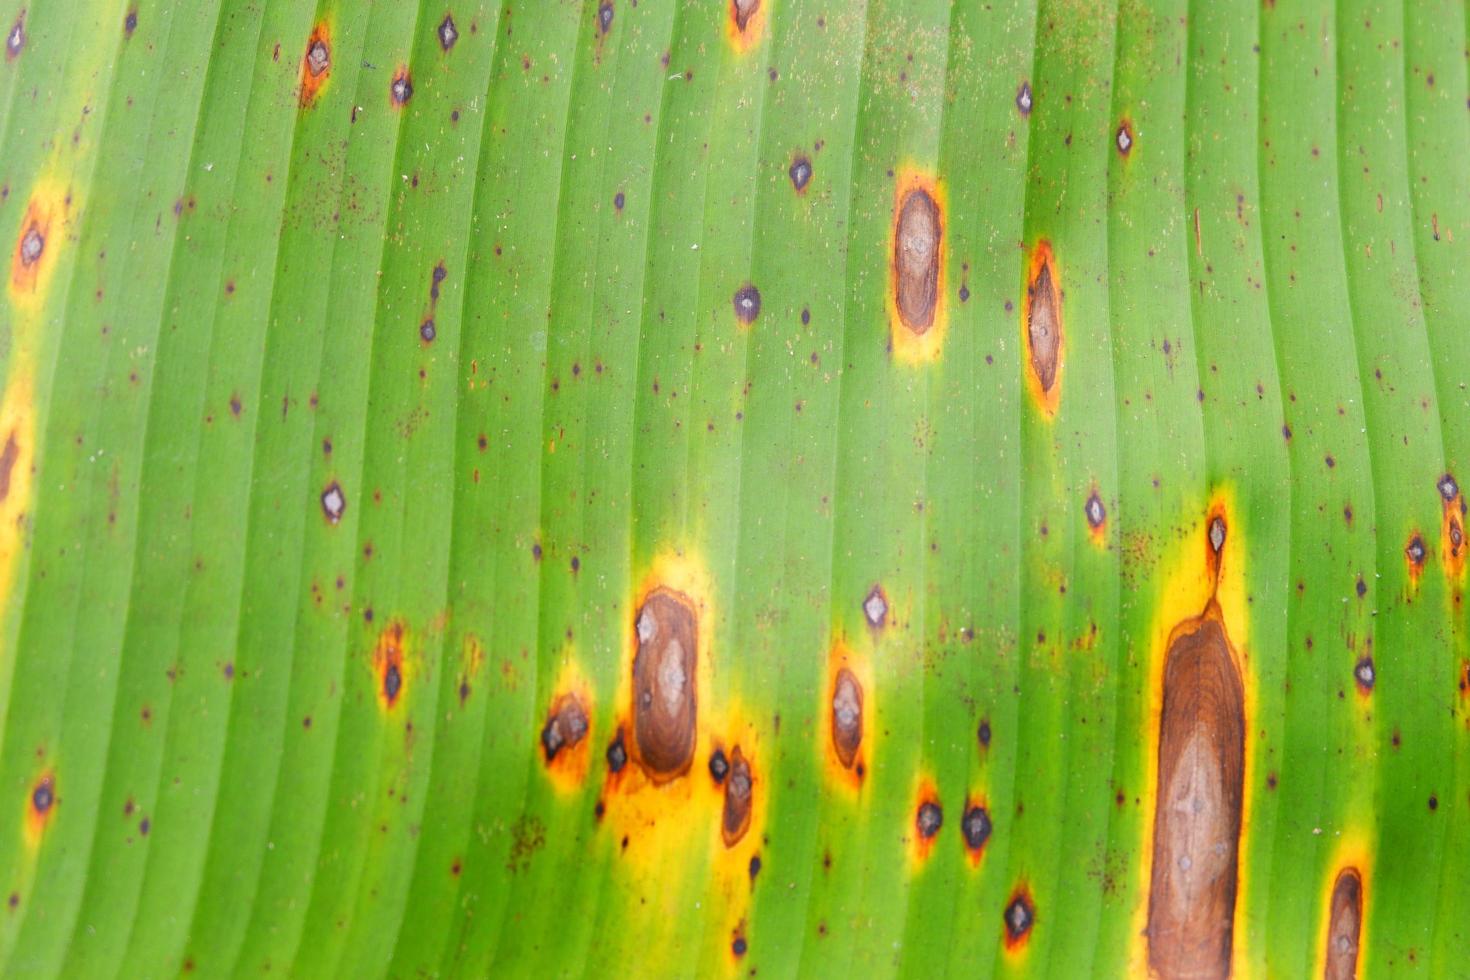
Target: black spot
point(719, 766)
point(1448, 488)
point(1365, 674)
point(964, 293)
point(426, 330)
point(1362, 587)
point(1023, 98)
point(929, 819)
point(619, 200)
point(1433, 802)
point(447, 33)
point(605, 16)
point(617, 754)
point(130, 22)
point(738, 947)
point(747, 303)
point(806, 316)
point(392, 683)
point(975, 825)
point(1095, 511)
point(755, 866)
point(800, 172)
point(984, 734)
point(43, 796)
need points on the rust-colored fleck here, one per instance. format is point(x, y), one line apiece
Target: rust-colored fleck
point(918, 231)
point(1197, 817)
point(566, 726)
point(739, 792)
point(665, 699)
point(847, 717)
point(1344, 926)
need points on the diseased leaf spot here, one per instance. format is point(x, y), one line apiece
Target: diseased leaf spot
point(984, 734)
point(665, 698)
point(747, 303)
point(743, 11)
point(605, 16)
point(976, 827)
point(334, 502)
point(16, 39)
point(847, 717)
point(1023, 99)
point(1217, 534)
point(719, 766)
point(447, 32)
point(1124, 138)
point(800, 172)
point(617, 754)
point(1197, 815)
point(8, 456)
point(565, 726)
point(130, 22)
point(32, 244)
point(1020, 916)
point(1344, 926)
point(1044, 327)
point(739, 790)
point(392, 683)
point(619, 200)
point(1095, 511)
point(318, 57)
point(739, 947)
point(43, 796)
point(1416, 552)
point(1448, 488)
point(427, 333)
point(875, 607)
point(1364, 674)
point(916, 251)
point(388, 664)
point(928, 819)
point(400, 90)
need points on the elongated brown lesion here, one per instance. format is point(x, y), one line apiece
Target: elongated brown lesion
point(1197, 817)
point(1344, 926)
point(916, 249)
point(847, 717)
point(665, 698)
point(1044, 327)
point(739, 793)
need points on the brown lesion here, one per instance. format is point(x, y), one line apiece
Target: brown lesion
point(1344, 926)
point(1042, 329)
point(1453, 544)
point(847, 717)
point(917, 240)
point(739, 795)
point(31, 247)
point(742, 11)
point(389, 666)
point(566, 726)
point(8, 456)
point(1197, 817)
point(665, 694)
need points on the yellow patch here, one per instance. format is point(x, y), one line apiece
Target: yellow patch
point(17, 461)
point(744, 40)
point(910, 347)
point(1191, 586)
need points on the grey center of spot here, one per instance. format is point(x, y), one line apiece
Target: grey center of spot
point(17, 36)
point(1124, 140)
point(317, 58)
point(1018, 917)
point(875, 608)
point(447, 33)
point(1217, 534)
point(30, 246)
point(845, 706)
point(647, 627)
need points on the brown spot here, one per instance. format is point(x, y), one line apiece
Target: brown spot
point(8, 456)
point(917, 238)
point(739, 789)
point(1044, 326)
point(742, 11)
point(1197, 816)
point(747, 303)
point(1344, 925)
point(847, 716)
point(800, 172)
point(565, 726)
point(665, 699)
point(400, 90)
point(1020, 916)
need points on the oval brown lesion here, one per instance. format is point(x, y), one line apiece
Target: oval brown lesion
point(665, 696)
point(565, 727)
point(847, 717)
point(1044, 328)
point(739, 794)
point(1197, 815)
point(916, 249)
point(1344, 926)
